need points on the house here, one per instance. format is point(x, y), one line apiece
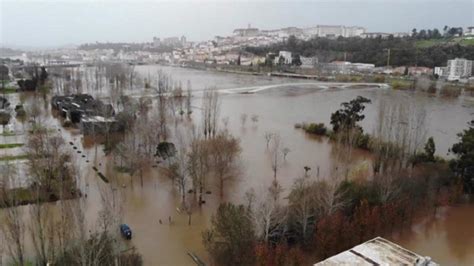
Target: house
point(308, 62)
point(417, 71)
point(469, 32)
point(92, 125)
point(377, 251)
point(362, 67)
point(76, 107)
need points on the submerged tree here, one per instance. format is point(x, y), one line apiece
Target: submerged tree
point(210, 112)
point(224, 150)
point(463, 165)
point(347, 117)
point(230, 241)
point(13, 225)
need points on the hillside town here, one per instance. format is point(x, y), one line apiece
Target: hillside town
point(231, 50)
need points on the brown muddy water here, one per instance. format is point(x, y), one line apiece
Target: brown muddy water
point(279, 103)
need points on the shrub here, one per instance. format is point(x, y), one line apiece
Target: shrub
point(363, 141)
point(315, 128)
point(379, 79)
point(432, 88)
point(401, 85)
point(450, 91)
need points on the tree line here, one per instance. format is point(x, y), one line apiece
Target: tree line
point(403, 51)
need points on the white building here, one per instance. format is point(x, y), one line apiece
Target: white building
point(308, 62)
point(246, 32)
point(400, 34)
point(440, 71)
point(469, 32)
point(377, 251)
point(156, 42)
point(459, 68)
point(382, 35)
point(334, 31)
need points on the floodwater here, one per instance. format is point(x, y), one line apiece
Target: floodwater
point(279, 103)
point(448, 239)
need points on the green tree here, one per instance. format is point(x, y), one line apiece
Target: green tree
point(463, 165)
point(292, 43)
point(296, 60)
point(436, 34)
point(231, 239)
point(281, 60)
point(430, 149)
point(351, 113)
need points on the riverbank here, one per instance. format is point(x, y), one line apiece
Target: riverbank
point(409, 83)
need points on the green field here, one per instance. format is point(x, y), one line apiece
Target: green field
point(8, 90)
point(8, 134)
point(13, 157)
point(10, 145)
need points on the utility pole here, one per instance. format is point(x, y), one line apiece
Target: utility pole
point(388, 57)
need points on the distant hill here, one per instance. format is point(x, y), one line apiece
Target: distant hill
point(403, 51)
point(6, 52)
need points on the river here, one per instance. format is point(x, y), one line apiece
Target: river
point(279, 103)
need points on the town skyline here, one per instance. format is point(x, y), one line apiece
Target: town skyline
point(113, 23)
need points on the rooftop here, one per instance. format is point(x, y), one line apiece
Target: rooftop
point(377, 251)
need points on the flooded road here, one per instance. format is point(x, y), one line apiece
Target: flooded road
point(278, 109)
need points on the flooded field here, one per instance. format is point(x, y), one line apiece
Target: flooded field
point(448, 239)
point(278, 103)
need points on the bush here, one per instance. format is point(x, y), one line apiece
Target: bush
point(469, 90)
point(298, 125)
point(450, 91)
point(401, 85)
point(316, 128)
point(432, 88)
point(363, 141)
point(379, 79)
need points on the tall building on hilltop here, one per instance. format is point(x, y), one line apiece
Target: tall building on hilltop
point(247, 32)
point(335, 31)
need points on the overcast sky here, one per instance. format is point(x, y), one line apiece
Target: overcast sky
point(57, 23)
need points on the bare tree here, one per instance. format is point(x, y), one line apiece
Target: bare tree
point(199, 164)
point(268, 137)
point(254, 118)
point(267, 214)
point(302, 205)
point(275, 154)
point(188, 99)
point(178, 169)
point(224, 149)
point(163, 87)
point(42, 229)
point(329, 197)
point(243, 119)
point(13, 226)
point(285, 152)
point(210, 112)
